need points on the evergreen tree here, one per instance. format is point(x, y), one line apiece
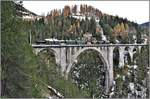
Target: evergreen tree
point(16, 64)
point(92, 26)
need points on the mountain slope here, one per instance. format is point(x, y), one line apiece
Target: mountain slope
point(21, 11)
point(146, 24)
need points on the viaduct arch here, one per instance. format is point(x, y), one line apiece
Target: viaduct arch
point(102, 57)
point(66, 55)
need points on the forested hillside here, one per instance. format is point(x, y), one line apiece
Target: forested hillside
point(73, 24)
point(27, 75)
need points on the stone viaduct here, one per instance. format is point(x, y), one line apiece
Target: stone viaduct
point(66, 56)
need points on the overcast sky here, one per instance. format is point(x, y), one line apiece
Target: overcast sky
point(137, 11)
